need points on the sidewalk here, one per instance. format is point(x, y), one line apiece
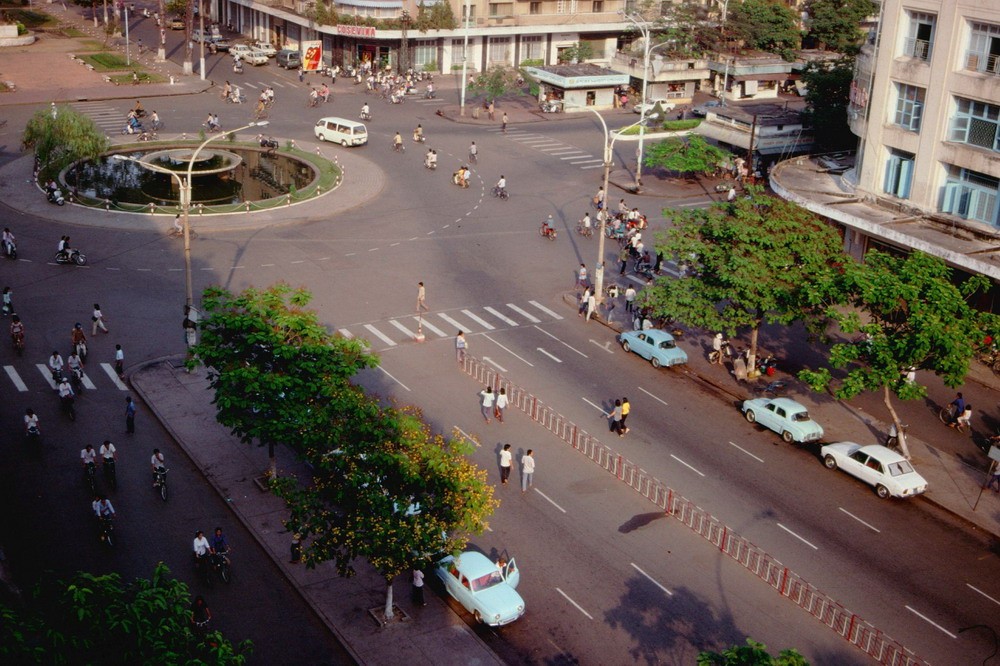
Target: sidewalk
point(432, 635)
point(953, 484)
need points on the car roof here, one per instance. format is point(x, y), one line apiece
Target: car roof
point(474, 564)
point(653, 333)
point(788, 404)
point(884, 454)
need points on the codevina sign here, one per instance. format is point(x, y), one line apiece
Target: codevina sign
point(356, 30)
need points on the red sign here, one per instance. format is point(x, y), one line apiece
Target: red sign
point(356, 30)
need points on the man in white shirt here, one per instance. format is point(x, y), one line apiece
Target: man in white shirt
point(157, 462)
point(56, 365)
point(88, 456)
point(527, 469)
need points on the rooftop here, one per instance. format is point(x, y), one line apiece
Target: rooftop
point(766, 114)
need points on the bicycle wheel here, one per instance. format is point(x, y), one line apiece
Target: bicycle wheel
point(225, 573)
point(163, 490)
point(945, 414)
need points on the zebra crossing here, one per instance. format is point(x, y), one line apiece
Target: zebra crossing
point(555, 148)
point(89, 382)
point(446, 324)
point(105, 114)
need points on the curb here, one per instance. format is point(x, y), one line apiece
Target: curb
point(274, 558)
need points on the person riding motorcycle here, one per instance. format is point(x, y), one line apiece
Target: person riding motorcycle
point(418, 134)
point(397, 142)
point(431, 159)
point(56, 365)
point(79, 340)
point(9, 243)
point(75, 365)
point(63, 249)
point(16, 331)
point(66, 394)
point(366, 113)
point(548, 227)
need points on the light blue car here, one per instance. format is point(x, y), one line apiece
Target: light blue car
point(483, 587)
point(785, 417)
point(656, 346)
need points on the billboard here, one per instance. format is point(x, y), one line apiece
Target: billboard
point(312, 55)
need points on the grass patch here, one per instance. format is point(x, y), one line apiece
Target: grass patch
point(74, 33)
point(106, 62)
point(91, 44)
point(31, 19)
point(668, 126)
point(144, 77)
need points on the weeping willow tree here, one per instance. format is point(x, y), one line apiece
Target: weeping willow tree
point(60, 136)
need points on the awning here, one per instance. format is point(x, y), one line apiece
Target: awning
point(764, 145)
point(724, 134)
point(373, 4)
point(764, 77)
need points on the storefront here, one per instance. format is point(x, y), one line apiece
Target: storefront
point(577, 87)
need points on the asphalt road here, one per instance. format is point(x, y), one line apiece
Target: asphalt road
point(606, 579)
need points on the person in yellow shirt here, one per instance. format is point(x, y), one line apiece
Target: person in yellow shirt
point(625, 410)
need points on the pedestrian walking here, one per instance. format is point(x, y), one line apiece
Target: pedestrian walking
point(500, 405)
point(591, 306)
point(994, 481)
point(583, 301)
point(616, 418)
point(129, 415)
point(623, 259)
point(527, 469)
point(97, 317)
point(302, 74)
point(626, 408)
point(460, 346)
point(491, 110)
point(473, 153)
point(488, 399)
point(503, 123)
point(610, 307)
point(120, 361)
point(421, 297)
point(581, 276)
point(418, 588)
point(506, 457)
point(629, 298)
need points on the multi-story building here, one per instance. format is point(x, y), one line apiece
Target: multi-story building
point(925, 105)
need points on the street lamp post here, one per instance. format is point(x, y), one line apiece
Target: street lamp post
point(647, 51)
point(201, 27)
point(185, 193)
point(609, 146)
point(465, 59)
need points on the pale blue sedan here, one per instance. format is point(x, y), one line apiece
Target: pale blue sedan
point(656, 346)
point(785, 417)
point(483, 587)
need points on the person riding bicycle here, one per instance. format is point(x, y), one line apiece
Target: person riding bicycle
point(157, 462)
point(202, 549)
point(501, 186)
point(56, 365)
point(138, 110)
point(154, 121)
point(418, 133)
point(88, 456)
point(430, 91)
point(958, 408)
point(103, 508)
point(66, 392)
point(397, 142)
point(31, 425)
point(78, 339)
point(324, 93)
point(16, 330)
point(585, 224)
point(366, 112)
point(8, 240)
point(473, 152)
point(313, 97)
point(548, 227)
point(220, 546)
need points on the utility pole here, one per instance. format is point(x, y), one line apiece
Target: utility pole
point(404, 43)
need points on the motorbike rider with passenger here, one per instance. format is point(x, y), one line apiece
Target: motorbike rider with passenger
point(430, 161)
point(63, 249)
point(79, 340)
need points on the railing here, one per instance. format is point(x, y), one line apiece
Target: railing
point(917, 48)
point(982, 62)
point(754, 559)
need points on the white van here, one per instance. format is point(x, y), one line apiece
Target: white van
point(339, 130)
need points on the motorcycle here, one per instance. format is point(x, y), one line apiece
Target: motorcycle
point(551, 107)
point(430, 165)
point(546, 231)
point(237, 68)
point(10, 249)
point(56, 197)
point(365, 116)
point(76, 378)
point(419, 138)
point(72, 256)
point(768, 366)
point(430, 94)
point(67, 402)
point(269, 143)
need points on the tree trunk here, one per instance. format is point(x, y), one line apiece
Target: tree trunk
point(900, 435)
point(752, 352)
point(388, 599)
point(105, 12)
point(273, 471)
point(161, 39)
point(188, 34)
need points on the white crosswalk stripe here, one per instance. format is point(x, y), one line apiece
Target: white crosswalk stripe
point(500, 316)
point(545, 310)
point(46, 374)
point(430, 327)
point(15, 378)
point(550, 146)
point(22, 384)
point(479, 320)
point(380, 335)
point(460, 326)
point(524, 313)
point(114, 376)
point(405, 330)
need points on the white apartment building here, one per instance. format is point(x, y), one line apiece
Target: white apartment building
point(926, 108)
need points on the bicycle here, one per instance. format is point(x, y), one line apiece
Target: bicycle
point(161, 481)
point(90, 478)
point(584, 230)
point(260, 112)
point(398, 147)
point(950, 419)
point(547, 232)
point(110, 475)
point(501, 193)
point(776, 388)
point(892, 440)
point(107, 530)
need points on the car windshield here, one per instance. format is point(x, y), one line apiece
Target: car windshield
point(800, 417)
point(487, 581)
point(900, 468)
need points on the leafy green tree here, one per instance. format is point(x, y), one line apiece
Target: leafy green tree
point(686, 27)
point(688, 155)
point(764, 25)
point(828, 88)
point(438, 16)
point(277, 373)
point(185, 8)
point(579, 52)
point(912, 316)
point(93, 8)
point(751, 654)
point(495, 82)
point(63, 139)
point(836, 24)
point(394, 494)
point(756, 260)
point(102, 618)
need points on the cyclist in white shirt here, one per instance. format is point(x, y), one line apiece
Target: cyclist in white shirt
point(108, 451)
point(103, 508)
point(157, 462)
point(56, 365)
point(88, 456)
point(31, 422)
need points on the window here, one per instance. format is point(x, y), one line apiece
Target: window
point(424, 52)
point(920, 37)
point(598, 6)
point(909, 106)
point(531, 48)
point(457, 50)
point(499, 50)
point(971, 195)
point(535, 8)
point(976, 123)
point(566, 7)
point(898, 174)
point(472, 12)
point(984, 48)
point(499, 9)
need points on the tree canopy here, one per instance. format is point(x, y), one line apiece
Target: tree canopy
point(764, 25)
point(755, 260)
point(836, 24)
point(688, 155)
point(142, 622)
point(495, 82)
point(751, 654)
point(686, 28)
point(828, 88)
point(578, 52)
point(911, 315)
point(61, 137)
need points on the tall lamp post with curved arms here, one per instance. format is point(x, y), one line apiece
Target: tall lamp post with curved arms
point(609, 146)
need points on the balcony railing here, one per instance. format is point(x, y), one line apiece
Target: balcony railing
point(917, 48)
point(981, 62)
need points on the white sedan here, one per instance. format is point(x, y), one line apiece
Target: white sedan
point(650, 107)
point(890, 473)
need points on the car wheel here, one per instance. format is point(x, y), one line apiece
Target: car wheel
point(787, 436)
point(343, 142)
point(655, 361)
point(830, 462)
point(626, 346)
point(882, 491)
point(479, 618)
point(751, 417)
